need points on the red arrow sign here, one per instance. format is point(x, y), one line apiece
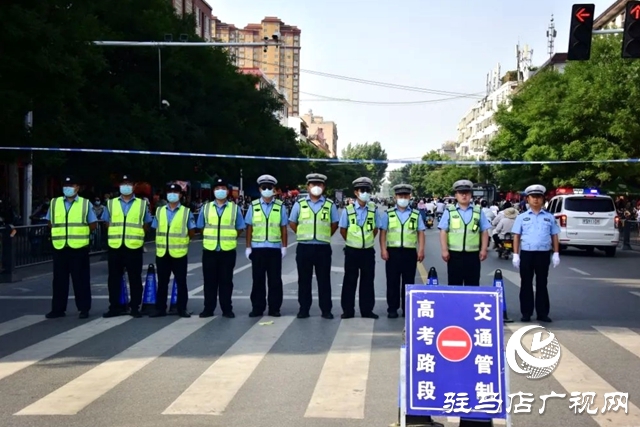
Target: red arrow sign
point(636, 11)
point(582, 14)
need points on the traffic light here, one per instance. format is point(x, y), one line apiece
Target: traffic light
point(580, 35)
point(631, 36)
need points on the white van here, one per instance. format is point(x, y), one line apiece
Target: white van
point(587, 220)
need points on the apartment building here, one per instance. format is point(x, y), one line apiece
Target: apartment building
point(265, 83)
point(327, 129)
point(612, 17)
point(280, 65)
point(202, 13)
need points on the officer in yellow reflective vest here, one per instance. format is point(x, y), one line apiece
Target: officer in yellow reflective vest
point(221, 223)
point(71, 220)
point(464, 237)
point(314, 219)
point(401, 246)
point(359, 228)
point(266, 222)
point(175, 226)
point(127, 219)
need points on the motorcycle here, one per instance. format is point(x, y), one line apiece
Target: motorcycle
point(506, 249)
point(429, 220)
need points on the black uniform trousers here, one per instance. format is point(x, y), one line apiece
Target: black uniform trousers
point(75, 263)
point(309, 257)
point(266, 264)
point(534, 263)
point(400, 269)
point(119, 260)
point(358, 263)
point(463, 268)
point(217, 269)
point(166, 265)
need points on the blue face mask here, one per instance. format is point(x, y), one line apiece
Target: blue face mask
point(220, 194)
point(267, 193)
point(126, 190)
point(173, 197)
point(69, 191)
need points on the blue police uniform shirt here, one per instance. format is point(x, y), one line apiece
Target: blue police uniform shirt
point(126, 205)
point(315, 207)
point(403, 216)
point(535, 230)
point(191, 222)
point(266, 208)
point(466, 215)
point(91, 215)
point(220, 208)
point(361, 216)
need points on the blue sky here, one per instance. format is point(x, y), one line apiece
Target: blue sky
point(433, 44)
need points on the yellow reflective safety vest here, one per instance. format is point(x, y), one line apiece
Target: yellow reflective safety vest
point(463, 237)
point(129, 228)
point(267, 228)
point(361, 237)
point(69, 228)
point(401, 235)
point(220, 230)
point(314, 226)
point(173, 237)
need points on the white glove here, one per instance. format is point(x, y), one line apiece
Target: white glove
point(247, 252)
point(555, 259)
point(283, 251)
point(516, 260)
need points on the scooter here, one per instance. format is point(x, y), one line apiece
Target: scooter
point(506, 249)
point(429, 220)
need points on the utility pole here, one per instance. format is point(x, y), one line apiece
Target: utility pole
point(27, 190)
point(551, 37)
point(241, 185)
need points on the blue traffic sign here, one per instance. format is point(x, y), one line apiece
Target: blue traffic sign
point(455, 363)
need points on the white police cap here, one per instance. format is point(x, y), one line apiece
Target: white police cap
point(267, 179)
point(463, 185)
point(316, 177)
point(402, 189)
point(363, 181)
point(535, 189)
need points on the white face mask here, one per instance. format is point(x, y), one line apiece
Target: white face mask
point(267, 193)
point(316, 191)
point(364, 197)
point(403, 203)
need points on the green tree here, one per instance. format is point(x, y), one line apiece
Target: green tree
point(437, 180)
point(366, 151)
point(589, 112)
point(400, 176)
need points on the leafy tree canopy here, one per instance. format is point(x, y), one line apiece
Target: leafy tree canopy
point(400, 176)
point(437, 180)
point(366, 151)
point(589, 112)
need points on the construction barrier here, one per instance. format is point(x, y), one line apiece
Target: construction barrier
point(150, 291)
point(499, 283)
point(124, 292)
point(173, 305)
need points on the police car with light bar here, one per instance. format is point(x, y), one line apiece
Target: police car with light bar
point(588, 220)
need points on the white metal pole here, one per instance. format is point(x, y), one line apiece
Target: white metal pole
point(266, 43)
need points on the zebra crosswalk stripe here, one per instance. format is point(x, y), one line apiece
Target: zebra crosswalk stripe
point(19, 360)
point(18, 323)
point(79, 393)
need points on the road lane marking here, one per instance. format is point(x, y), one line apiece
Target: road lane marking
point(31, 355)
point(19, 323)
point(575, 375)
point(424, 275)
point(211, 393)
point(635, 293)
point(199, 289)
point(513, 277)
point(342, 386)
point(624, 337)
point(584, 273)
point(76, 395)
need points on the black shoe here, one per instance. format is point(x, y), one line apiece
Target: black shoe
point(525, 319)
point(206, 313)
point(347, 316)
point(393, 315)
point(303, 315)
point(327, 316)
point(255, 314)
point(370, 316)
point(275, 313)
point(184, 313)
point(135, 313)
point(158, 313)
point(83, 315)
point(55, 314)
point(545, 319)
point(229, 315)
point(111, 313)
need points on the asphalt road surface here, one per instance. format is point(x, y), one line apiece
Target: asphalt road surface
point(287, 372)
